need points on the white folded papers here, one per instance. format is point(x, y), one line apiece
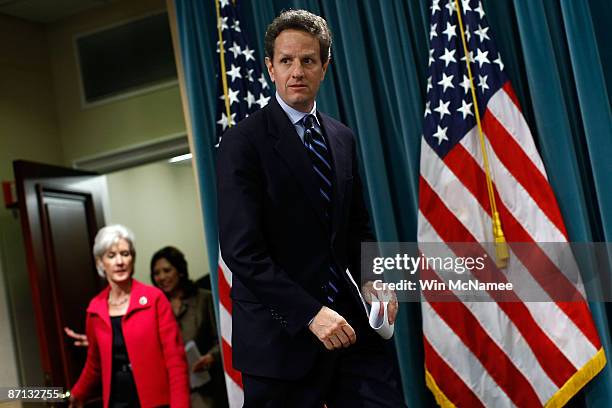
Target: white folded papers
point(379, 320)
point(193, 355)
point(377, 313)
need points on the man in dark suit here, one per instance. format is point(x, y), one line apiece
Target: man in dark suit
point(291, 222)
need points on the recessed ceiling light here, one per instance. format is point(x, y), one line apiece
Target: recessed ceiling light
point(180, 158)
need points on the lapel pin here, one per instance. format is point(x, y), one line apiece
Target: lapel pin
point(142, 300)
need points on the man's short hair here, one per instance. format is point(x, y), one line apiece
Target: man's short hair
point(299, 20)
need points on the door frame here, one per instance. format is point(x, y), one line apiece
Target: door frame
point(36, 178)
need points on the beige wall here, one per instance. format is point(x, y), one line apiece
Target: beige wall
point(28, 130)
point(89, 131)
point(159, 203)
point(9, 375)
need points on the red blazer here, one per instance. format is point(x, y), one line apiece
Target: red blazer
point(154, 345)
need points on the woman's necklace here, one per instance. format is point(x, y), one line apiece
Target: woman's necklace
point(118, 302)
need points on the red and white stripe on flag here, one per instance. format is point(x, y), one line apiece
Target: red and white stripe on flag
point(242, 89)
point(233, 378)
point(492, 354)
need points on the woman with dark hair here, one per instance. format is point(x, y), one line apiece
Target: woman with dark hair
point(195, 314)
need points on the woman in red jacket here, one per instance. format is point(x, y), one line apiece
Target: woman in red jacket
point(135, 347)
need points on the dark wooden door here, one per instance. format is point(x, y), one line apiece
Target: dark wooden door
point(61, 210)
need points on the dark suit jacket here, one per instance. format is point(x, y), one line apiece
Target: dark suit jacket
point(274, 239)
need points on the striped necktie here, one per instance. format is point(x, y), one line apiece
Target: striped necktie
point(321, 163)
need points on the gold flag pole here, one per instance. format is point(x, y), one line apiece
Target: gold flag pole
point(222, 65)
point(501, 247)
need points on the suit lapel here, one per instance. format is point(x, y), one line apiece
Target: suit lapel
point(138, 298)
point(99, 306)
point(295, 156)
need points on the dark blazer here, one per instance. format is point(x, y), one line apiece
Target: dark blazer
point(196, 319)
point(274, 239)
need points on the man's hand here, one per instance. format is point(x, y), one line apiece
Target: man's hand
point(332, 329)
point(80, 339)
point(370, 294)
point(204, 363)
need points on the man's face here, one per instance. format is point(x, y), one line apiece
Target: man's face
point(296, 68)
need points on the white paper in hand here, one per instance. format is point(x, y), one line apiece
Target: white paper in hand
point(193, 355)
point(377, 314)
point(379, 319)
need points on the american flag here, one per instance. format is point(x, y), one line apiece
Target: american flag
point(242, 89)
point(493, 354)
point(241, 85)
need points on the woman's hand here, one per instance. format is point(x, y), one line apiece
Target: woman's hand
point(80, 339)
point(204, 363)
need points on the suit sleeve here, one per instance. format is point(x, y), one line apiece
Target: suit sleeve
point(90, 380)
point(174, 354)
point(359, 224)
point(241, 195)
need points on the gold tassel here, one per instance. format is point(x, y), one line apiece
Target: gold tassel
point(501, 247)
